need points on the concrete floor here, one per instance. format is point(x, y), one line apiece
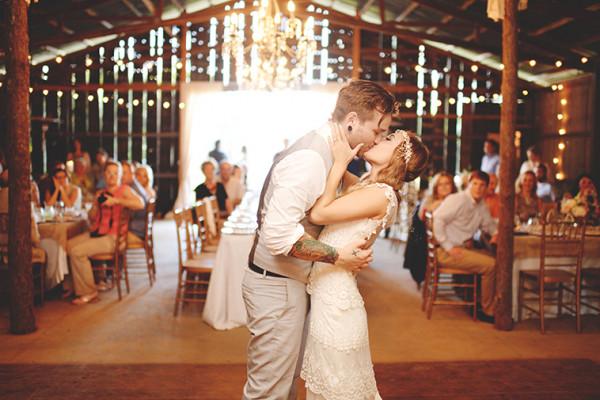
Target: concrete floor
point(141, 328)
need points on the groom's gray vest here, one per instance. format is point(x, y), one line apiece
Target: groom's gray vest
point(260, 255)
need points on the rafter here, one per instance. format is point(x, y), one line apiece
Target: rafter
point(365, 7)
point(550, 49)
point(406, 12)
point(562, 21)
point(449, 18)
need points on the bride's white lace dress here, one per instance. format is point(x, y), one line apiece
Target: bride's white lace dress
point(337, 361)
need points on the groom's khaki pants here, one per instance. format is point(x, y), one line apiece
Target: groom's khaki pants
point(276, 312)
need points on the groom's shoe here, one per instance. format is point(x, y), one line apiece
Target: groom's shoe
point(483, 317)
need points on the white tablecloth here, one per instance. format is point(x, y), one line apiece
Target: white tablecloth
point(527, 257)
point(224, 308)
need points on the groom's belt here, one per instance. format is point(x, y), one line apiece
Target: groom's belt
point(261, 271)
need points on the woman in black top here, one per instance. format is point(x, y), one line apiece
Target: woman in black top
point(211, 187)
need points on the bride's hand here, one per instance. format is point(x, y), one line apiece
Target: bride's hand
point(338, 143)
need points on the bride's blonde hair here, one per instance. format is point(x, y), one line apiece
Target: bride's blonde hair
point(399, 171)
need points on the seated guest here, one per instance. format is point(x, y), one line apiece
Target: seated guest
point(527, 203)
point(587, 195)
point(545, 190)
point(491, 197)
point(233, 186)
point(104, 217)
point(137, 221)
point(35, 193)
point(211, 187)
point(145, 176)
point(82, 178)
point(415, 254)
point(442, 185)
point(61, 190)
point(46, 180)
point(454, 223)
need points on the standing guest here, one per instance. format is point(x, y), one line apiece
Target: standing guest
point(98, 168)
point(491, 197)
point(534, 158)
point(490, 162)
point(527, 203)
point(79, 152)
point(217, 153)
point(545, 190)
point(285, 244)
point(145, 176)
point(442, 186)
point(61, 190)
point(454, 223)
point(137, 220)
point(211, 187)
point(82, 178)
point(233, 186)
point(104, 217)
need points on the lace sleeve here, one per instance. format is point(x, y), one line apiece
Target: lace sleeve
point(392, 207)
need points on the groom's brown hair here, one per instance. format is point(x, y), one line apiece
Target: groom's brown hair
point(364, 98)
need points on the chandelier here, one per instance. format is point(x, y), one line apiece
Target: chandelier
point(279, 54)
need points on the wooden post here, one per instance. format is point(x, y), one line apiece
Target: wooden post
point(356, 53)
point(508, 117)
point(20, 278)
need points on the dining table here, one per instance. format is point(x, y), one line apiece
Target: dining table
point(55, 231)
point(224, 308)
point(527, 248)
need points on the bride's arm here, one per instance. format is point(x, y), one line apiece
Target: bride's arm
point(362, 203)
point(370, 202)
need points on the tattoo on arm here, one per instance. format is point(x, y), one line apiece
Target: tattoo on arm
point(309, 248)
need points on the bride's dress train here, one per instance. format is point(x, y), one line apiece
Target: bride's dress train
point(337, 360)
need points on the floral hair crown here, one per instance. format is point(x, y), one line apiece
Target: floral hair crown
point(404, 148)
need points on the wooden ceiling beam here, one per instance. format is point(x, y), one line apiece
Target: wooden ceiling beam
point(382, 11)
point(550, 49)
point(197, 17)
point(365, 7)
point(132, 8)
point(178, 6)
point(61, 13)
point(448, 18)
point(406, 12)
point(135, 86)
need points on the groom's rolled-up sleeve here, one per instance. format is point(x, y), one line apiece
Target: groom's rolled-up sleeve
point(298, 181)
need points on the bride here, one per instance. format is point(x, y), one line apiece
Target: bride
point(337, 361)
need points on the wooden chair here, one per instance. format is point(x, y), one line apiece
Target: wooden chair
point(212, 213)
point(560, 264)
point(116, 261)
point(194, 269)
point(38, 261)
point(439, 286)
point(590, 288)
point(148, 244)
point(202, 241)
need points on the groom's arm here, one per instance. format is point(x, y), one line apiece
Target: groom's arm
point(352, 257)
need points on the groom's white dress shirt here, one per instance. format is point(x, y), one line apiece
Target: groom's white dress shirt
point(293, 196)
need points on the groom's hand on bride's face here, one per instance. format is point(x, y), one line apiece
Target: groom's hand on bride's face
point(353, 257)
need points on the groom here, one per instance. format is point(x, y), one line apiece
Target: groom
point(285, 245)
